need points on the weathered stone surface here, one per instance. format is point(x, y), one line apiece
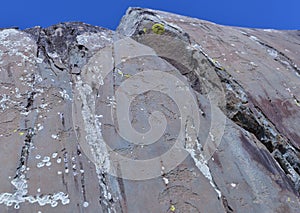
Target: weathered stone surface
point(167, 114)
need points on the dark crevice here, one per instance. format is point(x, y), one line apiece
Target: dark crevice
point(227, 207)
point(78, 57)
point(105, 202)
point(123, 200)
point(57, 67)
point(65, 160)
point(281, 54)
point(66, 164)
point(64, 182)
point(62, 118)
point(185, 71)
point(281, 58)
point(238, 110)
point(30, 100)
point(249, 123)
point(256, 122)
point(82, 181)
point(24, 153)
point(38, 42)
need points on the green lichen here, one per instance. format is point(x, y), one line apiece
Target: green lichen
point(158, 29)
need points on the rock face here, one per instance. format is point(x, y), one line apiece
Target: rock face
point(166, 114)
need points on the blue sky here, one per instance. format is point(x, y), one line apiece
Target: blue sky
point(276, 14)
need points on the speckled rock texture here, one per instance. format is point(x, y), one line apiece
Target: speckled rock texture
point(165, 114)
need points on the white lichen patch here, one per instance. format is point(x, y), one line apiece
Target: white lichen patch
point(3, 101)
point(7, 102)
point(17, 46)
point(93, 41)
point(65, 95)
point(38, 127)
point(17, 43)
point(53, 55)
point(97, 69)
point(43, 106)
point(272, 53)
point(85, 204)
point(39, 60)
point(54, 155)
point(253, 38)
point(233, 185)
point(46, 159)
point(193, 146)
point(21, 195)
point(58, 160)
point(271, 30)
point(94, 138)
point(25, 112)
point(92, 125)
point(166, 180)
point(40, 165)
point(111, 101)
point(54, 136)
point(212, 137)
point(253, 64)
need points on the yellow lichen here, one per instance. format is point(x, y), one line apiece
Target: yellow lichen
point(172, 208)
point(158, 29)
point(120, 73)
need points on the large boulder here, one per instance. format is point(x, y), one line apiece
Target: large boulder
point(166, 114)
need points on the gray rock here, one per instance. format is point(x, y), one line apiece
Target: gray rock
point(167, 114)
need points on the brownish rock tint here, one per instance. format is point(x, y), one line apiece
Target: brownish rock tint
point(166, 114)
